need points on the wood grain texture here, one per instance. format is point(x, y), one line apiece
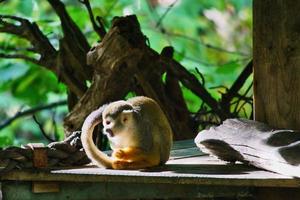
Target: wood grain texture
point(277, 193)
point(253, 143)
point(101, 190)
point(276, 59)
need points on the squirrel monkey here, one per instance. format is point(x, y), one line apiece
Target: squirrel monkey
point(138, 131)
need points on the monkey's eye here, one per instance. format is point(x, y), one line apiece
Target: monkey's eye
point(125, 119)
point(107, 122)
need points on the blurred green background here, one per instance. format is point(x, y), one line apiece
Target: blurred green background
point(214, 37)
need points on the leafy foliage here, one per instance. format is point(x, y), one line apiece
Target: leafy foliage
point(210, 37)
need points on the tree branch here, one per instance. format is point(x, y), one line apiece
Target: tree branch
point(19, 56)
point(31, 111)
point(72, 52)
point(239, 82)
point(42, 129)
point(71, 30)
point(236, 86)
point(192, 83)
point(9, 47)
point(236, 110)
point(100, 30)
point(32, 33)
point(159, 21)
point(210, 46)
point(69, 63)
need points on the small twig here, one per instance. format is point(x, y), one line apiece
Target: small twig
point(8, 47)
point(152, 10)
point(247, 99)
point(218, 87)
point(199, 112)
point(54, 125)
point(159, 21)
point(110, 8)
point(100, 22)
point(244, 95)
point(98, 28)
point(196, 60)
point(201, 76)
point(165, 32)
point(31, 111)
point(20, 19)
point(236, 86)
point(19, 56)
point(42, 129)
point(239, 82)
point(206, 44)
point(245, 113)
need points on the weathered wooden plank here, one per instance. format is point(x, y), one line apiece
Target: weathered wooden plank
point(276, 61)
point(44, 187)
point(91, 191)
point(254, 143)
point(185, 153)
point(277, 193)
point(186, 171)
point(183, 144)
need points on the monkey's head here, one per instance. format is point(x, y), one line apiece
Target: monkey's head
point(118, 118)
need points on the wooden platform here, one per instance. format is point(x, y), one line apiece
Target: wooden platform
point(188, 174)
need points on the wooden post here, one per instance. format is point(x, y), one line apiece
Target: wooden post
point(276, 61)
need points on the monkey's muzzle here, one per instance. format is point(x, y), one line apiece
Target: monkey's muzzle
point(109, 132)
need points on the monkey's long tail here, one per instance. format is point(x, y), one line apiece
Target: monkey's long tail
point(93, 153)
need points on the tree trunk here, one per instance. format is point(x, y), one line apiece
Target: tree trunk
point(277, 62)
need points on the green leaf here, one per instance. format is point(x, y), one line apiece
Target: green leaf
point(5, 138)
point(228, 68)
point(35, 84)
point(10, 71)
point(25, 7)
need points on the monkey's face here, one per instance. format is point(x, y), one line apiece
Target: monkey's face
point(118, 125)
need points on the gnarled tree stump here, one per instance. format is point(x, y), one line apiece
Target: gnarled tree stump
point(124, 63)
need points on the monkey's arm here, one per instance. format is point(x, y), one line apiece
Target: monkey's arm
point(97, 156)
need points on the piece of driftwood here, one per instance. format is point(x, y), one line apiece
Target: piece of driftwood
point(253, 143)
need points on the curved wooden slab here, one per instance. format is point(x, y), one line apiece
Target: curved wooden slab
point(253, 143)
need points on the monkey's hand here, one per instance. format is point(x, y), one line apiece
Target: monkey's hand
point(134, 158)
point(119, 154)
point(121, 164)
point(129, 153)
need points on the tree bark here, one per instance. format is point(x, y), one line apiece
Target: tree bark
point(277, 63)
